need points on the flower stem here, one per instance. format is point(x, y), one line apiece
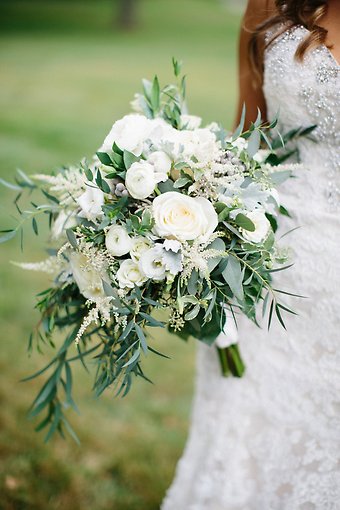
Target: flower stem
point(231, 361)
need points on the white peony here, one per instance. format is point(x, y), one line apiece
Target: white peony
point(129, 274)
point(89, 281)
point(262, 227)
point(132, 131)
point(62, 222)
point(139, 245)
point(182, 217)
point(91, 202)
point(129, 133)
point(152, 264)
point(140, 180)
point(118, 241)
point(190, 121)
point(199, 146)
point(162, 165)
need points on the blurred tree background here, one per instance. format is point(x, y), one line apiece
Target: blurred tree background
point(68, 69)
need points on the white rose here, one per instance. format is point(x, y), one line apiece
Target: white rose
point(138, 246)
point(140, 180)
point(182, 217)
point(162, 165)
point(62, 222)
point(262, 227)
point(129, 133)
point(190, 121)
point(152, 264)
point(117, 241)
point(129, 274)
point(91, 202)
point(89, 281)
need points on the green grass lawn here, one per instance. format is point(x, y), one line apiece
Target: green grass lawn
point(66, 74)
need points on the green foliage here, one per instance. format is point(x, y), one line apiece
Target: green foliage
point(119, 353)
point(46, 119)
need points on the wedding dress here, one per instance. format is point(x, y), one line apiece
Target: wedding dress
point(271, 440)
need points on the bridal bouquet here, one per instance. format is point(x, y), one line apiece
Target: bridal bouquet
point(168, 215)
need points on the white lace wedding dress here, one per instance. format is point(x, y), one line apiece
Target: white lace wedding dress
point(271, 440)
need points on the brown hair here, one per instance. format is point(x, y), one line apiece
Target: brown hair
point(291, 13)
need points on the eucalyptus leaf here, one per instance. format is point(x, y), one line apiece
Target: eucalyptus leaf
point(254, 142)
point(192, 313)
point(239, 129)
point(142, 339)
point(155, 95)
point(10, 185)
point(181, 182)
point(129, 159)
point(104, 158)
point(7, 235)
point(233, 276)
point(133, 358)
point(72, 238)
point(280, 176)
point(244, 222)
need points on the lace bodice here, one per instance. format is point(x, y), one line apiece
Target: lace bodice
point(307, 93)
point(271, 440)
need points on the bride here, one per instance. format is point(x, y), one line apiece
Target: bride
point(271, 440)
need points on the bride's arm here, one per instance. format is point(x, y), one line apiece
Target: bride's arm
point(250, 90)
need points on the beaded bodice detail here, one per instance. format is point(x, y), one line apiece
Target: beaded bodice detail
point(270, 440)
point(310, 91)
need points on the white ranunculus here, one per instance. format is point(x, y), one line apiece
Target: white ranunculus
point(139, 245)
point(62, 222)
point(162, 165)
point(152, 264)
point(140, 180)
point(129, 274)
point(190, 121)
point(262, 227)
point(182, 217)
point(89, 281)
point(118, 241)
point(91, 202)
point(129, 133)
